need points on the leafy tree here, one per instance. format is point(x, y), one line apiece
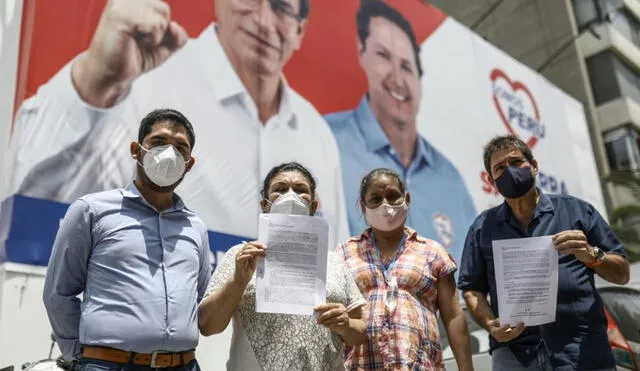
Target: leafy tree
point(625, 219)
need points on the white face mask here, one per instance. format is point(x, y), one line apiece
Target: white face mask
point(163, 165)
point(290, 203)
point(386, 217)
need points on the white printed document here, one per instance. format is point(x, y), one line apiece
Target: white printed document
point(291, 278)
point(526, 280)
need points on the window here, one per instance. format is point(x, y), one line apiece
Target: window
point(586, 11)
point(603, 79)
point(608, 6)
point(623, 148)
point(589, 11)
point(626, 24)
point(628, 79)
point(612, 78)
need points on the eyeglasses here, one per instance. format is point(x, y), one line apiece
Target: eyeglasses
point(376, 201)
point(283, 10)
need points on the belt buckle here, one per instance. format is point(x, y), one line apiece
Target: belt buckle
point(154, 358)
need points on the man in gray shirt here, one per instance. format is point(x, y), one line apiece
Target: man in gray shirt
point(139, 257)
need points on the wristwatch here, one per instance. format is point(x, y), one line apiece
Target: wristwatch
point(599, 258)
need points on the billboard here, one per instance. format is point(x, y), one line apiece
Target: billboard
point(336, 87)
point(339, 88)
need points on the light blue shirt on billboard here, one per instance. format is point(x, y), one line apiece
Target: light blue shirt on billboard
point(441, 206)
point(142, 274)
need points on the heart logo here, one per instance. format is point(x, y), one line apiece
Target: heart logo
point(517, 108)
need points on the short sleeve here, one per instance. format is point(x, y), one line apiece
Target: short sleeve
point(472, 275)
point(224, 271)
point(443, 264)
point(599, 233)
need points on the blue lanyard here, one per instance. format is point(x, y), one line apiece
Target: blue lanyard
point(386, 271)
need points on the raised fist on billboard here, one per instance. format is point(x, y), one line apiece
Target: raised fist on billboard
point(132, 37)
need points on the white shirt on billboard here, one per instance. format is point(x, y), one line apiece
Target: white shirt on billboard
point(63, 148)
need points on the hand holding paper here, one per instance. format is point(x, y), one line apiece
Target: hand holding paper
point(574, 242)
point(333, 316)
point(505, 333)
point(246, 260)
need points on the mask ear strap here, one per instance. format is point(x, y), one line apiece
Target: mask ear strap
point(140, 147)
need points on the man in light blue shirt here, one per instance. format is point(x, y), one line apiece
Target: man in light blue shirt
point(139, 257)
point(381, 133)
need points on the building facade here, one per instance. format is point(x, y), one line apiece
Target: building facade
point(588, 48)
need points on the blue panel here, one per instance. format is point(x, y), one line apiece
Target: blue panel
point(33, 225)
point(28, 228)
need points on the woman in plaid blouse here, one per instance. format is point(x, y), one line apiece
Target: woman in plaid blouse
point(406, 279)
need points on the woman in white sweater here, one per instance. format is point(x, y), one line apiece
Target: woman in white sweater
point(267, 341)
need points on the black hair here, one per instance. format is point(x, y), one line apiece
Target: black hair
point(373, 175)
point(166, 115)
point(501, 143)
point(305, 8)
point(283, 168)
point(377, 8)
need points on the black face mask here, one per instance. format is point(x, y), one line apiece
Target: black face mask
point(515, 182)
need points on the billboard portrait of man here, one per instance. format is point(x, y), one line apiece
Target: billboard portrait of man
point(382, 131)
point(68, 138)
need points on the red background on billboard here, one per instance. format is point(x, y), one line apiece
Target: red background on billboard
point(325, 70)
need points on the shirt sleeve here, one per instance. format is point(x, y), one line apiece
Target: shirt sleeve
point(472, 275)
point(66, 276)
point(444, 264)
point(599, 233)
point(204, 275)
point(62, 127)
point(224, 271)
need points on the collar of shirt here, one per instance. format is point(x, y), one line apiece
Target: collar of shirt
point(387, 265)
point(132, 192)
point(544, 206)
point(409, 235)
point(371, 245)
point(225, 82)
point(376, 139)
